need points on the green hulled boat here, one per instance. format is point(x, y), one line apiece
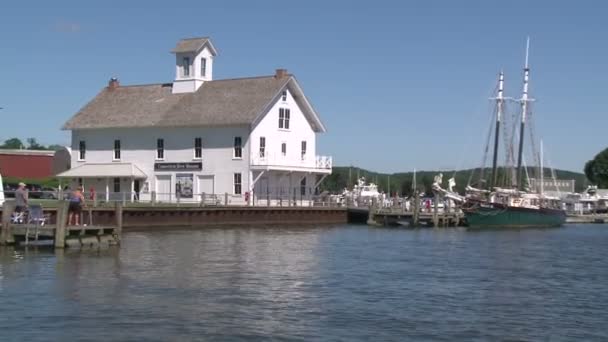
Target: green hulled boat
point(496, 215)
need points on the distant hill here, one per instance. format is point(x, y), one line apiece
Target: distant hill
point(401, 182)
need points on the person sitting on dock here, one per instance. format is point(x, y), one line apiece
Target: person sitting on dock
point(75, 207)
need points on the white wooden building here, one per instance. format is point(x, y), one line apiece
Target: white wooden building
point(251, 138)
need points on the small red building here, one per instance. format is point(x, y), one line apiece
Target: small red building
point(28, 164)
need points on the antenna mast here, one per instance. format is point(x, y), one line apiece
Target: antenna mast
point(524, 111)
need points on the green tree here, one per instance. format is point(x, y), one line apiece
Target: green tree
point(55, 147)
point(13, 143)
point(32, 144)
point(596, 169)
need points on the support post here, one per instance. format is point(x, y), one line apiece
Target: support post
point(107, 190)
point(62, 220)
point(436, 211)
point(118, 216)
point(226, 199)
point(416, 213)
point(371, 218)
point(7, 210)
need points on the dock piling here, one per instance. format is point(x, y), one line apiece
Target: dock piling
point(7, 210)
point(436, 211)
point(62, 221)
point(118, 229)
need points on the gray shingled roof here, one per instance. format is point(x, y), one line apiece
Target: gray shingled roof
point(215, 103)
point(192, 45)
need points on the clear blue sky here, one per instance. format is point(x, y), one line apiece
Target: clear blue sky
point(399, 84)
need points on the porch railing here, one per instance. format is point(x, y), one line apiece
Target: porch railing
point(304, 160)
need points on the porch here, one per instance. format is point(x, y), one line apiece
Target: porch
point(109, 182)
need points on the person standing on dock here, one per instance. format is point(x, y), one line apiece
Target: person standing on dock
point(75, 207)
point(21, 198)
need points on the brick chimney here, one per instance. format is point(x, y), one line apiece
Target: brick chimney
point(280, 73)
point(113, 84)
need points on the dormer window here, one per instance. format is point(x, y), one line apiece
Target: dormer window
point(186, 67)
point(203, 67)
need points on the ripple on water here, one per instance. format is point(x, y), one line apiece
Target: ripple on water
point(314, 283)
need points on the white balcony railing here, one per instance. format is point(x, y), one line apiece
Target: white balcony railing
point(268, 159)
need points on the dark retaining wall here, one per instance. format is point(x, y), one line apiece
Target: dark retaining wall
point(171, 217)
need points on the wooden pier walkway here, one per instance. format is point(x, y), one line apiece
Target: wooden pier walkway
point(54, 229)
point(399, 216)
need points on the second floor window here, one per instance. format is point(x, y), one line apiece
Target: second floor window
point(238, 149)
point(203, 67)
point(284, 149)
point(284, 118)
point(160, 149)
point(262, 147)
point(186, 67)
point(82, 150)
point(198, 148)
point(116, 149)
point(303, 154)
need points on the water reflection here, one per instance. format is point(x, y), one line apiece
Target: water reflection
point(313, 283)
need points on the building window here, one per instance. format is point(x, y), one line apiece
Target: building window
point(284, 118)
point(203, 67)
point(303, 187)
point(238, 149)
point(186, 66)
point(284, 149)
point(284, 95)
point(116, 149)
point(160, 149)
point(237, 183)
point(303, 150)
point(198, 148)
point(262, 147)
point(82, 150)
point(116, 185)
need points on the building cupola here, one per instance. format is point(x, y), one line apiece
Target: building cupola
point(193, 64)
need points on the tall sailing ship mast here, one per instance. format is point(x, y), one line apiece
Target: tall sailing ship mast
point(524, 113)
point(511, 207)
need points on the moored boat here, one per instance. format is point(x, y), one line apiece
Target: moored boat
point(514, 207)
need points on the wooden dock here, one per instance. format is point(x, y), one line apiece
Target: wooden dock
point(399, 216)
point(588, 218)
point(56, 232)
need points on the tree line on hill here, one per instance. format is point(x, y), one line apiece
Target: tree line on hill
point(402, 182)
point(31, 144)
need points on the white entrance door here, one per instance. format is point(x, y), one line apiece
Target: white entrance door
point(163, 188)
point(205, 185)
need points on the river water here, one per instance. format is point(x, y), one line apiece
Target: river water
point(341, 283)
